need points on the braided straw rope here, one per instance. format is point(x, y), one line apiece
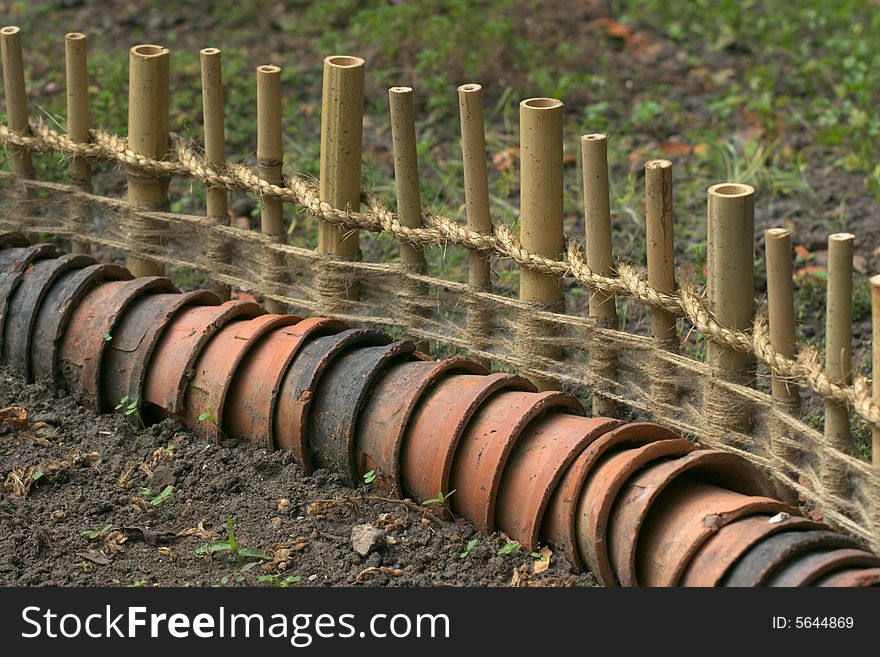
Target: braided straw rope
point(806, 369)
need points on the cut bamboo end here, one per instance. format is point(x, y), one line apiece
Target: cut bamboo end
point(476, 185)
point(730, 264)
point(406, 169)
point(875, 362)
point(541, 219)
point(660, 234)
point(214, 123)
point(342, 109)
point(838, 335)
point(213, 107)
point(148, 134)
point(597, 213)
point(78, 121)
point(780, 303)
point(16, 95)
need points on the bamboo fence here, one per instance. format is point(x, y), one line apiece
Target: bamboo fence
point(716, 400)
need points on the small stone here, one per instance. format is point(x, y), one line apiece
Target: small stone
point(366, 539)
point(312, 578)
point(58, 514)
point(283, 505)
point(276, 521)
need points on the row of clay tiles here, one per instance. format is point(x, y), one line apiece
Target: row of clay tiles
point(635, 503)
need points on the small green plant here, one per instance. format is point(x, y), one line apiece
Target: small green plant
point(275, 580)
point(537, 556)
point(470, 546)
point(369, 477)
point(108, 337)
point(84, 565)
point(440, 499)
point(93, 534)
point(509, 548)
point(129, 407)
point(138, 583)
point(208, 416)
point(158, 498)
point(228, 578)
point(40, 477)
point(241, 553)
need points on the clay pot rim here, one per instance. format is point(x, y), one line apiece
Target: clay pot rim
point(819, 565)
point(29, 307)
point(557, 470)
point(492, 384)
point(541, 404)
point(300, 403)
point(851, 578)
point(299, 333)
point(727, 506)
point(266, 323)
point(195, 298)
point(793, 523)
point(431, 378)
point(392, 350)
point(594, 543)
point(12, 240)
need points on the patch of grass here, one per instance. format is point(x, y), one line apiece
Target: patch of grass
point(241, 554)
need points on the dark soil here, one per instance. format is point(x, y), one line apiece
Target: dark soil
point(303, 522)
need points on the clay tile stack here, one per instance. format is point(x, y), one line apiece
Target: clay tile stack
point(635, 503)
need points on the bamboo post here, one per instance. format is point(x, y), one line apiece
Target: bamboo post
point(541, 226)
point(731, 283)
point(148, 136)
point(16, 96)
point(597, 212)
point(660, 253)
point(838, 335)
point(476, 198)
point(780, 305)
point(875, 363)
point(78, 121)
point(409, 200)
point(342, 109)
point(217, 202)
point(270, 157)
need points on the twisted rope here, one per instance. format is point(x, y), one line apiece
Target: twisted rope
point(806, 369)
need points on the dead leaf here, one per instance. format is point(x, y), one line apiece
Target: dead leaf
point(542, 564)
point(199, 532)
point(94, 556)
point(114, 540)
point(504, 160)
point(676, 148)
point(802, 252)
point(14, 416)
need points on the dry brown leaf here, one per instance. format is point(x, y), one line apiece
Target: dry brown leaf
point(14, 416)
point(385, 570)
point(199, 532)
point(542, 564)
point(504, 160)
point(114, 540)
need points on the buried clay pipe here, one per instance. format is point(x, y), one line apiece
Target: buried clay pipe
point(684, 516)
point(536, 465)
point(204, 402)
point(769, 556)
point(135, 338)
point(559, 520)
point(24, 307)
point(253, 393)
point(63, 297)
point(805, 570)
point(437, 425)
point(600, 491)
point(173, 360)
point(381, 427)
point(716, 556)
point(634, 502)
point(302, 378)
point(485, 447)
point(91, 328)
point(337, 401)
